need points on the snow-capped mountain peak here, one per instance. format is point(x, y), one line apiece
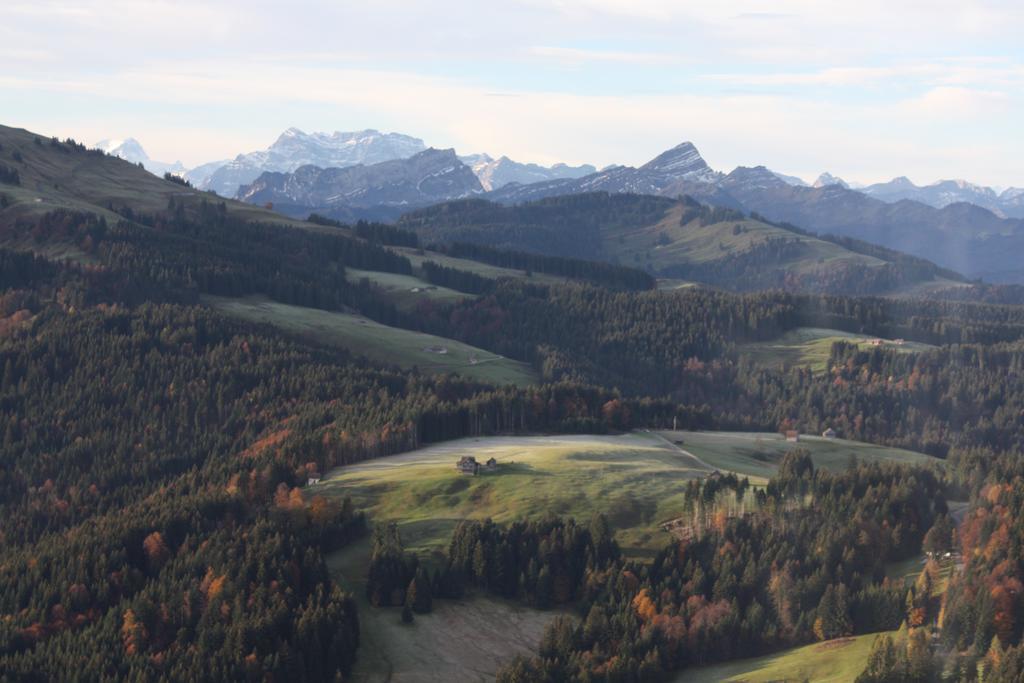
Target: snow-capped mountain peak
point(295, 148)
point(128, 149)
point(495, 173)
point(826, 179)
point(131, 150)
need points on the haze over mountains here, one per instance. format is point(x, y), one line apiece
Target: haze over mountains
point(384, 190)
point(295, 148)
point(379, 176)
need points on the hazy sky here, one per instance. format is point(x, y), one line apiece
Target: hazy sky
point(866, 89)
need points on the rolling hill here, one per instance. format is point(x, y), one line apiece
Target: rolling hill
point(966, 237)
point(65, 175)
point(682, 240)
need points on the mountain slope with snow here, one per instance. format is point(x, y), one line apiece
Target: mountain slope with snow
point(945, 192)
point(382, 190)
point(294, 149)
point(129, 149)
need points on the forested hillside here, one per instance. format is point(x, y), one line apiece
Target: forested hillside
point(680, 239)
point(159, 516)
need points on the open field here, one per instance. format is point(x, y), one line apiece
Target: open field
point(482, 269)
point(406, 291)
point(463, 640)
point(635, 479)
point(666, 243)
point(378, 342)
point(833, 661)
point(757, 455)
point(811, 346)
point(670, 284)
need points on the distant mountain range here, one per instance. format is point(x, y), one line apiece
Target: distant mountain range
point(968, 238)
point(1009, 202)
point(965, 237)
point(671, 237)
point(496, 173)
point(129, 149)
point(294, 149)
point(940, 194)
point(382, 191)
point(973, 229)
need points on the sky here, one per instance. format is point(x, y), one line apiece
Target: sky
point(866, 90)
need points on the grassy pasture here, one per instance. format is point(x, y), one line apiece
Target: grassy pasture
point(400, 288)
point(811, 346)
point(757, 455)
point(635, 479)
point(53, 177)
point(833, 661)
point(378, 342)
point(482, 269)
point(666, 243)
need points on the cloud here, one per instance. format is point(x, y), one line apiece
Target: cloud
point(956, 103)
point(575, 57)
point(865, 89)
point(965, 72)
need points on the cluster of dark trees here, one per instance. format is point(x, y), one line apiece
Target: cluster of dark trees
point(203, 249)
point(9, 175)
point(541, 563)
point(706, 214)
point(454, 278)
point(395, 577)
point(808, 565)
point(376, 233)
point(570, 226)
point(603, 274)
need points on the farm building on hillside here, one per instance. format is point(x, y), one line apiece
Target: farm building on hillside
point(829, 433)
point(792, 435)
point(467, 464)
point(312, 480)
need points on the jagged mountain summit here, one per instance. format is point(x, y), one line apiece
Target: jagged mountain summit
point(497, 173)
point(972, 239)
point(675, 170)
point(682, 162)
point(295, 148)
point(792, 179)
point(382, 190)
point(826, 179)
point(129, 149)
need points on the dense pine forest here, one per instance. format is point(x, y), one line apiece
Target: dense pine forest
point(155, 518)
